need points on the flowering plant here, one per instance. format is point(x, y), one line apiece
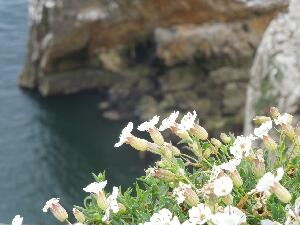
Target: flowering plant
point(250, 179)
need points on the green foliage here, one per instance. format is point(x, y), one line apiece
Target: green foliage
point(256, 189)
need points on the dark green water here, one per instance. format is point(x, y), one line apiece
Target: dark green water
point(49, 147)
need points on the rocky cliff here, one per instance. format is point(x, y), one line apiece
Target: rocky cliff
point(149, 56)
point(275, 74)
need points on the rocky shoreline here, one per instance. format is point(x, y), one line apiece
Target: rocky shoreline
point(148, 56)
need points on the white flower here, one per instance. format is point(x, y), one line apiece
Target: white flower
point(187, 122)
point(237, 212)
point(297, 208)
point(231, 165)
point(179, 192)
point(112, 204)
point(268, 180)
point(163, 217)
point(263, 130)
point(17, 220)
point(57, 210)
point(148, 124)
point(50, 203)
point(95, 187)
point(270, 183)
point(242, 146)
point(284, 119)
point(169, 121)
point(230, 216)
point(215, 171)
point(199, 214)
point(269, 222)
point(150, 171)
point(291, 218)
point(223, 186)
point(126, 132)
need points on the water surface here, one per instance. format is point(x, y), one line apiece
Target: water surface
point(49, 147)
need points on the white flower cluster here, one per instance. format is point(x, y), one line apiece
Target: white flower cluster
point(163, 217)
point(107, 204)
point(186, 124)
point(180, 192)
point(112, 204)
point(242, 146)
point(210, 185)
point(200, 214)
point(223, 177)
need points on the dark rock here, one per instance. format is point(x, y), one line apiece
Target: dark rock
point(229, 74)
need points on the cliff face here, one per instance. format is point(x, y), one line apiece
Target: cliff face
point(275, 74)
point(148, 56)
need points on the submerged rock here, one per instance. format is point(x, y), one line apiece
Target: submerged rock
point(275, 74)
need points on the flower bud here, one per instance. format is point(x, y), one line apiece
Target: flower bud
point(269, 142)
point(156, 136)
point(199, 132)
point(191, 197)
point(122, 208)
point(57, 210)
point(214, 150)
point(259, 120)
point(225, 138)
point(259, 169)
point(288, 131)
point(281, 192)
point(259, 164)
point(165, 175)
point(101, 200)
point(195, 149)
point(175, 151)
point(212, 204)
point(79, 216)
point(183, 135)
point(228, 199)
point(236, 179)
point(207, 153)
point(154, 148)
point(59, 213)
point(216, 142)
point(274, 112)
point(167, 153)
point(138, 143)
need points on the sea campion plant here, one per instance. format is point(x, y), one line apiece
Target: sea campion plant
point(250, 179)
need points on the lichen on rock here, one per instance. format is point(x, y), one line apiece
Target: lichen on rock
point(275, 74)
